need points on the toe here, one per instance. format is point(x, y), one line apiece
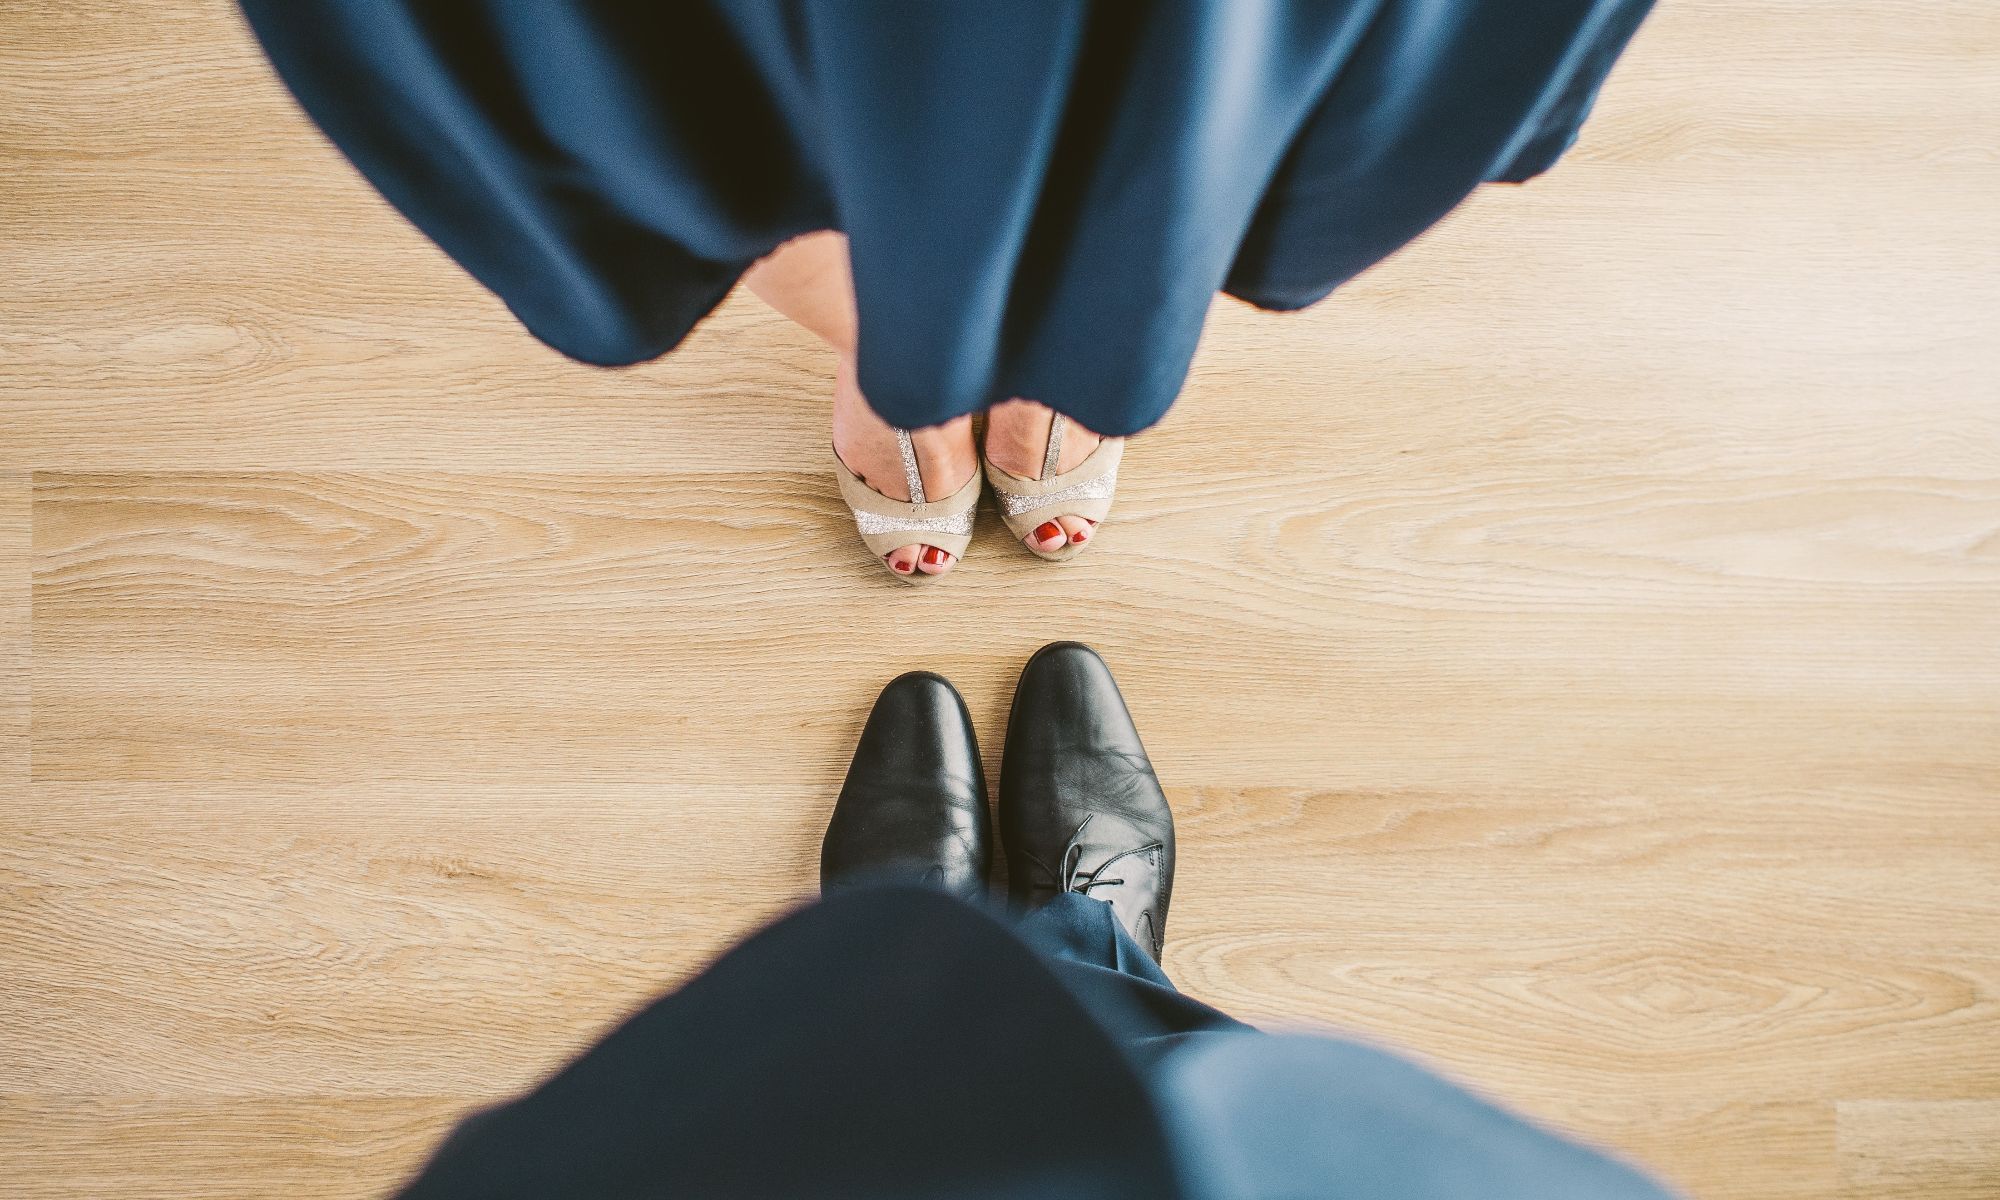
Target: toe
point(1076, 530)
point(903, 559)
point(935, 561)
point(1048, 536)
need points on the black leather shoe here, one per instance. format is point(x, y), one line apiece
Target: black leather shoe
point(1080, 808)
point(913, 809)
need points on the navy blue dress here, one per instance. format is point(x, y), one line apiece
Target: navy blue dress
point(1041, 196)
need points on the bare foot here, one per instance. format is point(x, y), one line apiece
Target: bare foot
point(946, 458)
point(1017, 439)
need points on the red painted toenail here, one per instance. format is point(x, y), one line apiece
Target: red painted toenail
point(1047, 530)
point(933, 556)
point(1079, 536)
point(903, 568)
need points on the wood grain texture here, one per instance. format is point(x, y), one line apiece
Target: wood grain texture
point(1781, 1150)
point(453, 621)
point(217, 1149)
point(379, 940)
point(15, 568)
point(1573, 651)
point(1920, 1150)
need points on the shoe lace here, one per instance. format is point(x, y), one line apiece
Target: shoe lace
point(1067, 879)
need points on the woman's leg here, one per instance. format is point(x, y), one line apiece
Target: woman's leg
point(808, 280)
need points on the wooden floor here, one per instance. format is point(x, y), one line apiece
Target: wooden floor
point(1573, 652)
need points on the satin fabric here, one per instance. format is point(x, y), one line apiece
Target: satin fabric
point(896, 1044)
point(1041, 197)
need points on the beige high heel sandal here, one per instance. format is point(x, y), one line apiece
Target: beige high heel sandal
point(1084, 491)
point(886, 524)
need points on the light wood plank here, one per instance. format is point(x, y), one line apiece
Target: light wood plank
point(435, 939)
point(15, 574)
point(1621, 632)
point(225, 1149)
point(1702, 953)
point(1775, 1151)
point(1920, 1150)
point(379, 940)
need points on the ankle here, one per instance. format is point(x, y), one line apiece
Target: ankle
point(1017, 438)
